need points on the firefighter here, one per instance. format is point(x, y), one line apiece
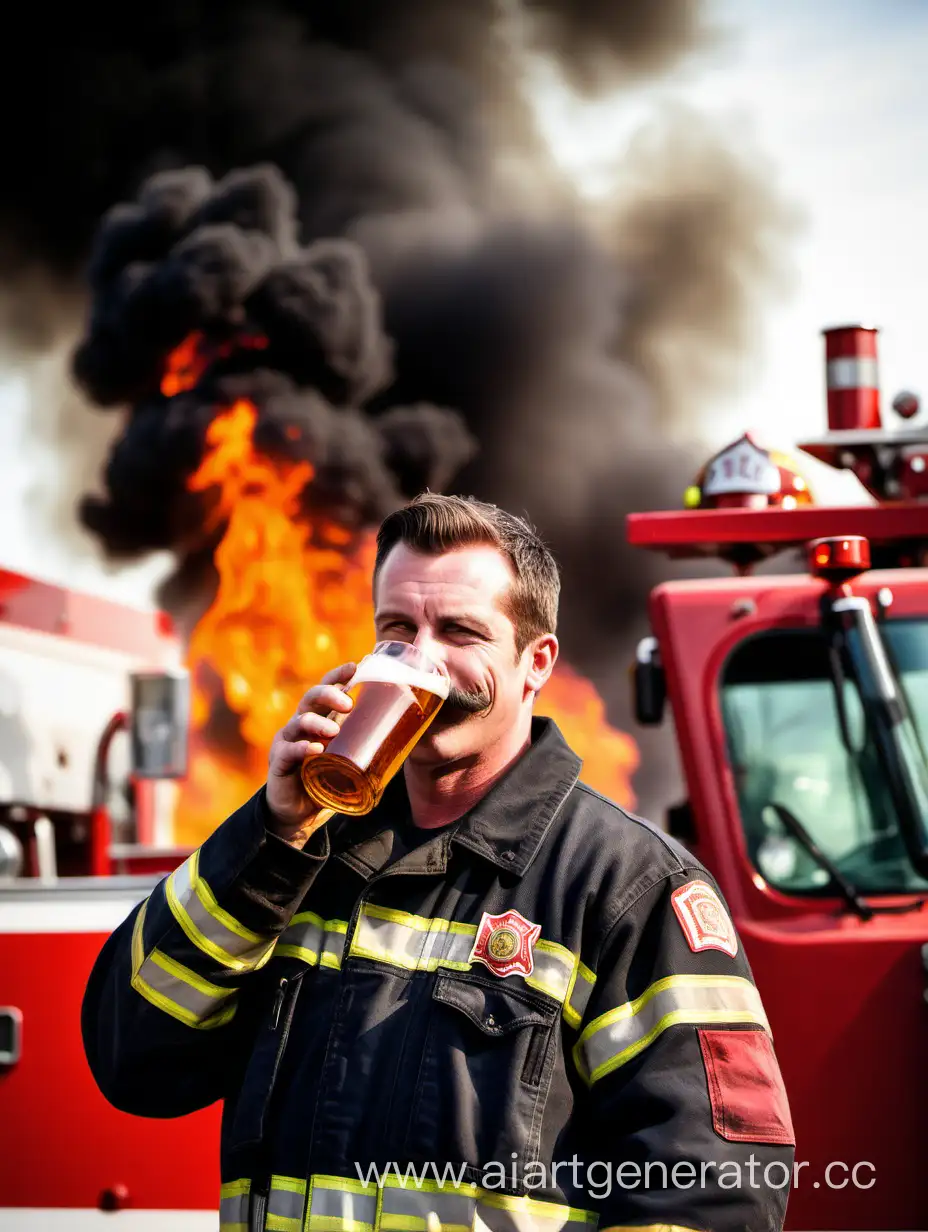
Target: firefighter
point(498, 1001)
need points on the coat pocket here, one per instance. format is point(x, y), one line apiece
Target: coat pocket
point(251, 1110)
point(483, 1074)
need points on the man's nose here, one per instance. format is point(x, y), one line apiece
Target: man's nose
point(430, 646)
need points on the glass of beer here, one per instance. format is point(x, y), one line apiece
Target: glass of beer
point(397, 692)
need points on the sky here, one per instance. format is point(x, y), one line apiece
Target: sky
point(831, 94)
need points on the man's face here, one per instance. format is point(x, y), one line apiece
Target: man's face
point(449, 606)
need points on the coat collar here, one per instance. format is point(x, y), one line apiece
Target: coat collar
point(505, 827)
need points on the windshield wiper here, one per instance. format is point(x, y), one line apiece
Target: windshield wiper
point(844, 885)
point(856, 638)
point(846, 888)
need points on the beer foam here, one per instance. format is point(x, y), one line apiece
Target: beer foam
point(385, 669)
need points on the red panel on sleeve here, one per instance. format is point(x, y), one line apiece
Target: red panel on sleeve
point(745, 1087)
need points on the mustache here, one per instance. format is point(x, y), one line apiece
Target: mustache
point(470, 701)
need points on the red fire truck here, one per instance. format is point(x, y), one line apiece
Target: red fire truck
point(800, 706)
point(92, 737)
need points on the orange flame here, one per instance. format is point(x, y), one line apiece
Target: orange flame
point(187, 362)
point(184, 366)
point(294, 600)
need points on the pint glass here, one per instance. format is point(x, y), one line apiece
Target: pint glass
point(397, 691)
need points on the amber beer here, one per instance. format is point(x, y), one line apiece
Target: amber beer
point(397, 692)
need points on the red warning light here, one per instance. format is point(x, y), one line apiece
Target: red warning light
point(164, 624)
point(836, 560)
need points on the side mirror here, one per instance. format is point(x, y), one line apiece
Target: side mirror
point(160, 723)
point(649, 683)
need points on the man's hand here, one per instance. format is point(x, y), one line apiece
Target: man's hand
point(306, 734)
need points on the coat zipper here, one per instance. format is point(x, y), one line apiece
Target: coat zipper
point(260, 1193)
point(349, 937)
point(279, 998)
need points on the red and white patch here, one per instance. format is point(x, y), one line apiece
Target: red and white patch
point(504, 943)
point(705, 922)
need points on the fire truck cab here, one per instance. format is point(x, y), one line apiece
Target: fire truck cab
point(93, 703)
point(800, 709)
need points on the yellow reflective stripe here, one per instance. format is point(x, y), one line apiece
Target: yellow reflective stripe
point(426, 1186)
point(417, 943)
point(186, 976)
point(230, 1189)
point(553, 968)
point(175, 989)
point(412, 942)
point(398, 1204)
point(579, 993)
point(407, 1207)
point(647, 1227)
point(537, 1209)
point(313, 940)
point(614, 1038)
point(343, 1184)
point(233, 1206)
point(285, 1204)
point(420, 922)
point(340, 1204)
point(210, 928)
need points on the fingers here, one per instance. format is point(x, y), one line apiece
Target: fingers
point(322, 700)
point(310, 726)
point(338, 674)
point(310, 729)
point(286, 754)
point(304, 735)
point(328, 688)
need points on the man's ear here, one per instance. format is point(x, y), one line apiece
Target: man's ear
point(543, 656)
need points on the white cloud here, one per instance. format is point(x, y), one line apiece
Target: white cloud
point(833, 94)
point(28, 543)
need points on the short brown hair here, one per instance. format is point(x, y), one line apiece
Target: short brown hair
point(433, 523)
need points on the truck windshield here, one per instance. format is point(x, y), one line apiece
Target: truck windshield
point(784, 742)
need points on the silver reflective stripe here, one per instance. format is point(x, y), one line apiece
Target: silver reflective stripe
point(336, 1202)
point(405, 1209)
point(339, 1204)
point(579, 995)
point(412, 942)
point(852, 372)
point(500, 1213)
point(233, 1206)
point(552, 967)
point(417, 943)
point(285, 1204)
point(174, 988)
point(313, 940)
point(617, 1036)
point(161, 974)
point(210, 928)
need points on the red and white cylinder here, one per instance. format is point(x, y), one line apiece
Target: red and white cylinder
point(852, 377)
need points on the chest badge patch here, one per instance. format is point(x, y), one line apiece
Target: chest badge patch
point(504, 943)
point(705, 922)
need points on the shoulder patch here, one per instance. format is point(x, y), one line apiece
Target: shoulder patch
point(702, 916)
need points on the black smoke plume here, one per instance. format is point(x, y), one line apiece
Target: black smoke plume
point(364, 187)
point(296, 331)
